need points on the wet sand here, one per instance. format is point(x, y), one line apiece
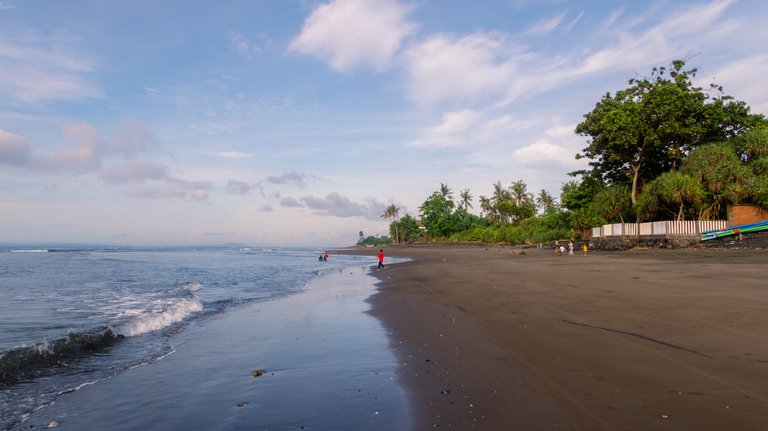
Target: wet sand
point(491, 339)
point(327, 366)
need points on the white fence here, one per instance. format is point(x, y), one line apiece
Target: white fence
point(686, 227)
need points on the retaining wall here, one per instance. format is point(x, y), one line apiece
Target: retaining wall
point(647, 241)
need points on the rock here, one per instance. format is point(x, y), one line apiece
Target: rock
point(257, 373)
point(445, 391)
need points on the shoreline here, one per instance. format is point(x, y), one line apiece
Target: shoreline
point(326, 365)
point(653, 339)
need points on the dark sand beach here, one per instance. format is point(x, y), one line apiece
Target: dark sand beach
point(489, 338)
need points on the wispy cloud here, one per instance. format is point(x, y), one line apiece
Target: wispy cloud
point(290, 178)
point(247, 48)
point(7, 6)
point(351, 33)
point(173, 189)
point(568, 27)
point(14, 149)
point(470, 128)
point(546, 25)
point(230, 154)
point(38, 70)
point(133, 172)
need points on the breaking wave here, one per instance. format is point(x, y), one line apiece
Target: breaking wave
point(159, 319)
point(34, 361)
point(50, 357)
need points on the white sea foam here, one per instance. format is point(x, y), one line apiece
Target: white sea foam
point(28, 251)
point(193, 287)
point(161, 317)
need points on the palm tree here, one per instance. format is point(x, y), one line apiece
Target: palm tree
point(485, 206)
point(545, 200)
point(392, 212)
point(519, 192)
point(498, 204)
point(466, 199)
point(445, 191)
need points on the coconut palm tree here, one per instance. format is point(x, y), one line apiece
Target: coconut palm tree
point(545, 200)
point(466, 199)
point(485, 206)
point(392, 212)
point(446, 191)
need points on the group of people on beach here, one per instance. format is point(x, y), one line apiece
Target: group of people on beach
point(560, 248)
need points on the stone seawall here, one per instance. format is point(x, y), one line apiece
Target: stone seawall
point(646, 241)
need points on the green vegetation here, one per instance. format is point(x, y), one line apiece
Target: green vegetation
point(660, 149)
point(374, 240)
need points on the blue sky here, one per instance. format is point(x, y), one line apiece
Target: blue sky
point(277, 122)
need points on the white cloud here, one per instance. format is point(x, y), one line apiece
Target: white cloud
point(470, 128)
point(351, 33)
point(543, 152)
point(444, 67)
point(672, 36)
point(7, 6)
point(546, 26)
point(452, 131)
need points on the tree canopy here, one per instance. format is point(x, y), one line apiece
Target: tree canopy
point(648, 128)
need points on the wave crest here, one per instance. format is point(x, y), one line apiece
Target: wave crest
point(154, 321)
point(22, 362)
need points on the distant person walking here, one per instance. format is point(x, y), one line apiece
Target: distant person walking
point(585, 249)
point(381, 260)
point(570, 248)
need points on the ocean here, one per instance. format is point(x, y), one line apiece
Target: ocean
point(72, 317)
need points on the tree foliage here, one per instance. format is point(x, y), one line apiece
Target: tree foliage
point(648, 128)
point(407, 227)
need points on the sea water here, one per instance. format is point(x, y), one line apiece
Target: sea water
point(71, 317)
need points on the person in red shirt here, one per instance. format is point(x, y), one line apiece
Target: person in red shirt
point(381, 260)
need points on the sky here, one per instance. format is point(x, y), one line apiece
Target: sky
point(296, 122)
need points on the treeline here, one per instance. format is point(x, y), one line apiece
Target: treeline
point(660, 149)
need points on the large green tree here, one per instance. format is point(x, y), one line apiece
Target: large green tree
point(408, 228)
point(436, 212)
point(647, 129)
